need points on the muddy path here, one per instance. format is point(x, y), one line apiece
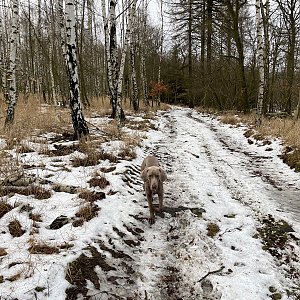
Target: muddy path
point(210, 242)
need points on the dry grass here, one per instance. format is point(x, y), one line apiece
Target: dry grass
point(99, 181)
point(38, 247)
point(87, 212)
point(4, 208)
point(36, 191)
point(2, 252)
point(35, 217)
point(91, 196)
point(15, 228)
point(230, 119)
point(101, 106)
point(33, 117)
point(287, 129)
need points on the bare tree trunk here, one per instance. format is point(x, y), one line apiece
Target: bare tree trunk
point(54, 97)
point(266, 25)
point(297, 111)
point(190, 64)
point(209, 35)
point(12, 63)
point(161, 48)
point(260, 59)
point(234, 12)
point(134, 88)
point(142, 54)
point(79, 123)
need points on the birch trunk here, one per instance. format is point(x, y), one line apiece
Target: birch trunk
point(142, 54)
point(114, 73)
point(79, 123)
point(260, 59)
point(54, 97)
point(12, 63)
point(4, 51)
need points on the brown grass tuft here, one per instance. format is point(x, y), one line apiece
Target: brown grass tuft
point(2, 252)
point(127, 153)
point(91, 196)
point(14, 277)
point(15, 228)
point(35, 217)
point(230, 119)
point(4, 208)
point(41, 248)
point(100, 182)
point(212, 229)
point(87, 212)
point(38, 192)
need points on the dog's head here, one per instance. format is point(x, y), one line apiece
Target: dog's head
point(153, 175)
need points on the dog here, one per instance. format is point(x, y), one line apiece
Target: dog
point(153, 176)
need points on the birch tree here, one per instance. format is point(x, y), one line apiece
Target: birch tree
point(115, 72)
point(79, 123)
point(142, 42)
point(12, 63)
point(4, 42)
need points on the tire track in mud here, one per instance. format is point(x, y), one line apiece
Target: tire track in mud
point(272, 229)
point(258, 166)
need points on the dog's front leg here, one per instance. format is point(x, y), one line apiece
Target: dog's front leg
point(151, 208)
point(160, 198)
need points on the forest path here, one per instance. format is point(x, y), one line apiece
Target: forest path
point(214, 183)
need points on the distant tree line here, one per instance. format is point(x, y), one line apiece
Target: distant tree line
point(225, 54)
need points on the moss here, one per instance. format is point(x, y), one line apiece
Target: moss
point(274, 235)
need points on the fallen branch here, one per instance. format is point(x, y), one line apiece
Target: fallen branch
point(210, 273)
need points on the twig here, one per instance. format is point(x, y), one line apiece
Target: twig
point(211, 272)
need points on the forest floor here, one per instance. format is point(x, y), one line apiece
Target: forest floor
point(74, 225)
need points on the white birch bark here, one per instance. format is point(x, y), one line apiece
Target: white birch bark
point(79, 123)
point(119, 115)
point(260, 58)
point(109, 66)
point(142, 53)
point(54, 97)
point(114, 73)
point(4, 50)
point(12, 62)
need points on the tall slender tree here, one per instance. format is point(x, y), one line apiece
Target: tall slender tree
point(260, 58)
point(79, 123)
point(13, 95)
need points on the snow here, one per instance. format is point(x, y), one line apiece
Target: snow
point(211, 169)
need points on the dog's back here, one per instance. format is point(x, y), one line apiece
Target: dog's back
point(149, 161)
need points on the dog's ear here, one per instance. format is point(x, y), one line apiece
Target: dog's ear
point(163, 174)
point(144, 174)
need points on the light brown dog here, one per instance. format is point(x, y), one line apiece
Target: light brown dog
point(153, 176)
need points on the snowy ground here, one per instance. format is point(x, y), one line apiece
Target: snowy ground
point(230, 229)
